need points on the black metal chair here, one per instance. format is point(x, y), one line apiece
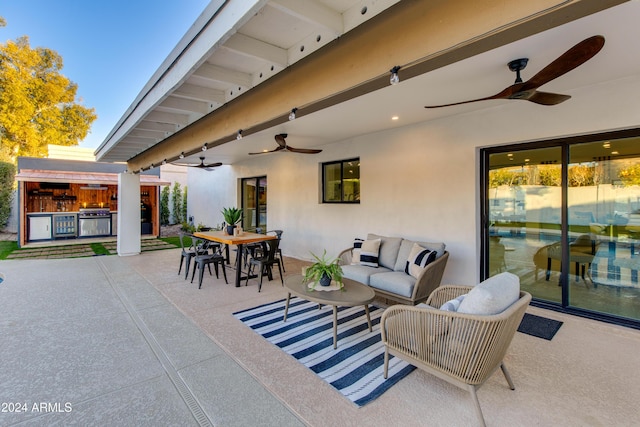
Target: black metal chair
point(278, 233)
point(200, 261)
point(189, 252)
point(265, 262)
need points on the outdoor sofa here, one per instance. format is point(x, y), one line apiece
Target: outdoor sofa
point(399, 269)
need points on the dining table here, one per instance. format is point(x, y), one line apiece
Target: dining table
point(239, 240)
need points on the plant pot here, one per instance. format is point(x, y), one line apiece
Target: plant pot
point(230, 229)
point(325, 280)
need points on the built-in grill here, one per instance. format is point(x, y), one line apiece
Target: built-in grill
point(94, 222)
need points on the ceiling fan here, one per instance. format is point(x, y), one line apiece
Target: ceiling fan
point(282, 146)
point(528, 91)
point(201, 165)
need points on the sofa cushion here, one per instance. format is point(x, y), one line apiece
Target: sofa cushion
point(369, 252)
point(405, 249)
point(361, 273)
point(396, 282)
point(355, 254)
point(492, 296)
point(418, 260)
point(454, 304)
point(389, 247)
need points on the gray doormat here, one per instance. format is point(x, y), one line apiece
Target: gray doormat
point(538, 326)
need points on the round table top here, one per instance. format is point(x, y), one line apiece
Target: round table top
point(353, 294)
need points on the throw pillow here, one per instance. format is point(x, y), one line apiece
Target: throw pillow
point(355, 254)
point(418, 260)
point(453, 305)
point(369, 253)
point(492, 296)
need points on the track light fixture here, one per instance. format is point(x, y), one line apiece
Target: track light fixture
point(292, 114)
point(164, 162)
point(181, 156)
point(239, 135)
point(204, 147)
point(394, 79)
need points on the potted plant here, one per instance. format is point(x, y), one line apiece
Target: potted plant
point(232, 216)
point(323, 271)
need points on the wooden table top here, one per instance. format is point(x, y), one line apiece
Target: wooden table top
point(353, 294)
point(222, 237)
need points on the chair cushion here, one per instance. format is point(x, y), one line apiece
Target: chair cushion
point(407, 245)
point(389, 247)
point(492, 296)
point(361, 273)
point(397, 282)
point(454, 304)
point(369, 253)
point(418, 260)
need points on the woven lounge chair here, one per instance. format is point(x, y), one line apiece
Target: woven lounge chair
point(463, 349)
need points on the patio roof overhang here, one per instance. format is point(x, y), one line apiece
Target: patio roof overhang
point(30, 175)
point(163, 121)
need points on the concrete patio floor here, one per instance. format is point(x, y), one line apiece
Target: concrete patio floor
point(127, 341)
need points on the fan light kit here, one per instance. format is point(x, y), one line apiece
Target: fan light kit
point(528, 91)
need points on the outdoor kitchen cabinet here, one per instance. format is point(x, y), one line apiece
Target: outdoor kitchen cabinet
point(39, 227)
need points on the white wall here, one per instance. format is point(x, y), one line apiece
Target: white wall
point(419, 182)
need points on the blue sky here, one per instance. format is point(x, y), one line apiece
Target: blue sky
point(110, 48)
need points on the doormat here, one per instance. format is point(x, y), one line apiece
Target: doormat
point(355, 368)
point(538, 326)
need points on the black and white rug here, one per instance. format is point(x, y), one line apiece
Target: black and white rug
point(355, 368)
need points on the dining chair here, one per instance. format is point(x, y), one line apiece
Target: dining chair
point(265, 262)
point(200, 261)
point(278, 233)
point(189, 252)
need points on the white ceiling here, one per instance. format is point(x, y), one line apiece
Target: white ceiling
point(479, 76)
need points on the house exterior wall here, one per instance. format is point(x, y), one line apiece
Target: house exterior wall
point(419, 181)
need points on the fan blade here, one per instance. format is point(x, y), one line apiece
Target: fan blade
point(505, 94)
point(546, 98)
point(303, 150)
point(211, 165)
point(271, 151)
point(571, 59)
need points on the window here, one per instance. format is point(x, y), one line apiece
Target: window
point(341, 181)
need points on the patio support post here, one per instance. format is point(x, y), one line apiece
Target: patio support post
point(129, 231)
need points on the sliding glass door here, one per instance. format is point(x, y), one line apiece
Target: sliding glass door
point(565, 217)
point(254, 203)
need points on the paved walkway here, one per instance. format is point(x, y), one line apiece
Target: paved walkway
point(90, 341)
point(82, 250)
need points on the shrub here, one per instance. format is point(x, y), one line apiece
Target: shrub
point(164, 205)
point(177, 203)
point(7, 176)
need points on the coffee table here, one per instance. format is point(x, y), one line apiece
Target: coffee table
point(353, 294)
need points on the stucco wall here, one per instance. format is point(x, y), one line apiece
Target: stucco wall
point(419, 181)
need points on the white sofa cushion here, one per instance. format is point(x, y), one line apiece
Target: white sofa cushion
point(389, 247)
point(396, 282)
point(405, 249)
point(492, 296)
point(418, 260)
point(361, 273)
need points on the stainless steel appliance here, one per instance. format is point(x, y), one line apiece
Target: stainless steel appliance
point(94, 222)
point(64, 225)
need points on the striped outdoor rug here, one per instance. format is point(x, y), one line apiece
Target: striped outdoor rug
point(355, 369)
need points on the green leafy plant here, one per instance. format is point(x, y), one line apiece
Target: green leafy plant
point(232, 216)
point(323, 267)
point(7, 185)
point(164, 205)
point(177, 203)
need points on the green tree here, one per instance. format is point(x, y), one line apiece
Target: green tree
point(37, 103)
point(630, 175)
point(183, 210)
point(7, 174)
point(176, 200)
point(164, 205)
